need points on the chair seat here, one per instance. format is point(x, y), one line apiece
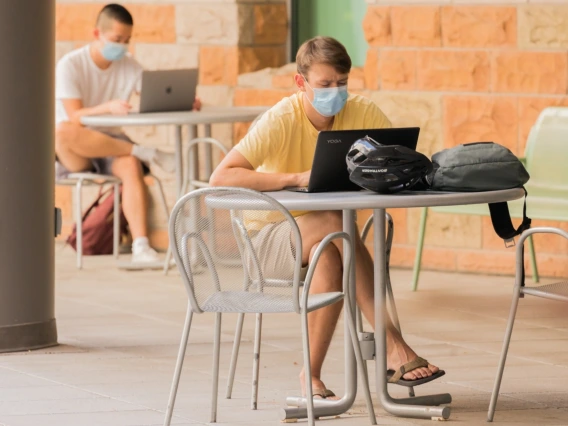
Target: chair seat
point(556, 291)
point(88, 179)
point(537, 208)
point(249, 302)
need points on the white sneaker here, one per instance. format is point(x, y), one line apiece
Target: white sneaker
point(144, 254)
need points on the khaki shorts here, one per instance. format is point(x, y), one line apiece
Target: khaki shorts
point(275, 251)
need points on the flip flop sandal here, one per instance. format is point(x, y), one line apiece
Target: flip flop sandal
point(323, 393)
point(395, 377)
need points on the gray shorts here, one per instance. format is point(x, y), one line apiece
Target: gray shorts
point(101, 166)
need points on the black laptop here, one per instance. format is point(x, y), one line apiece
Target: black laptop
point(329, 169)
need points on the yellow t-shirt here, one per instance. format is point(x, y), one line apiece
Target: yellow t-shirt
point(284, 139)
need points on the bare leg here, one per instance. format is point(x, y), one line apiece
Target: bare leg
point(74, 145)
point(134, 195)
point(314, 227)
point(327, 277)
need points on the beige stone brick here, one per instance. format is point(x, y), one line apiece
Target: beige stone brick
point(270, 24)
point(215, 95)
point(371, 69)
point(492, 262)
point(62, 48)
point(446, 230)
point(257, 58)
point(259, 97)
point(397, 69)
point(415, 109)
point(75, 21)
point(218, 65)
point(434, 258)
point(207, 24)
point(550, 265)
point(543, 26)
point(377, 26)
point(479, 26)
point(480, 119)
point(356, 79)
point(416, 26)
point(449, 70)
point(167, 56)
point(530, 72)
point(153, 23)
point(529, 110)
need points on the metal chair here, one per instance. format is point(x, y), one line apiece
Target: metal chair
point(358, 317)
point(79, 180)
point(556, 291)
point(240, 215)
point(545, 160)
point(193, 179)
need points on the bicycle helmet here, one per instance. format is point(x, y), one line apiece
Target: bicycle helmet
point(385, 168)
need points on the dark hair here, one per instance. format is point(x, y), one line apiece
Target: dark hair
point(115, 12)
point(323, 50)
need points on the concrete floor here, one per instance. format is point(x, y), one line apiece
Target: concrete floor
point(119, 334)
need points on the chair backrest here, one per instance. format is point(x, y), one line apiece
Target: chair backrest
point(221, 239)
point(547, 154)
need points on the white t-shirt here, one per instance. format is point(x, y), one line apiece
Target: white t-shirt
point(78, 77)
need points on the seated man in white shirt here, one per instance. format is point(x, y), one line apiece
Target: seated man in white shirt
point(100, 79)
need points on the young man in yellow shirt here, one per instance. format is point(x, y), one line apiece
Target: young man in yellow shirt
point(278, 152)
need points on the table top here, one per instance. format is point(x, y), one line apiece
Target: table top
point(208, 115)
point(358, 200)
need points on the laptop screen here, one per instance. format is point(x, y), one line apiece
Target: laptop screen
point(329, 169)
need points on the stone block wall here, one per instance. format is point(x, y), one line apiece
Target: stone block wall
point(462, 70)
point(224, 38)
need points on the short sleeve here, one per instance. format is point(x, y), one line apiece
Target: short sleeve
point(263, 141)
point(375, 118)
point(67, 81)
point(138, 69)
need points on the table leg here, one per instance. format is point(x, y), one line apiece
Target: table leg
point(193, 160)
point(179, 161)
point(208, 153)
point(418, 407)
point(324, 407)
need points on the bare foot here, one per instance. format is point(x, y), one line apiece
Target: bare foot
point(399, 353)
point(318, 388)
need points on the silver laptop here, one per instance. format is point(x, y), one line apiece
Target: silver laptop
point(168, 90)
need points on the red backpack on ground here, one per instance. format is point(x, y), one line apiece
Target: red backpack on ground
point(98, 227)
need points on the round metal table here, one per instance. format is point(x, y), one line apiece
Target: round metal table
point(207, 116)
point(417, 407)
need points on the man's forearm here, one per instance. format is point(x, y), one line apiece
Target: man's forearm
point(96, 110)
point(258, 181)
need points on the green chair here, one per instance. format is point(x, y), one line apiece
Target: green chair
point(546, 159)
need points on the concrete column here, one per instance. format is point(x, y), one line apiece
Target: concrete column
point(27, 46)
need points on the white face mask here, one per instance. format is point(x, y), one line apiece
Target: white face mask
point(330, 100)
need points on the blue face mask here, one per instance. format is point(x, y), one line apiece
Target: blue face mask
point(330, 100)
point(112, 51)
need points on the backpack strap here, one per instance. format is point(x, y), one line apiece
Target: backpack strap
point(502, 224)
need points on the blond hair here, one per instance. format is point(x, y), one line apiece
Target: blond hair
point(323, 50)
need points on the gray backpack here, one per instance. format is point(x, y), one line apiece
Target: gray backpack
point(482, 166)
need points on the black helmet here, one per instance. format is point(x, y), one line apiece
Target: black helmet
point(385, 168)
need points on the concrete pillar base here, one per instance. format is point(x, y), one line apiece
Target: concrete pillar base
point(28, 336)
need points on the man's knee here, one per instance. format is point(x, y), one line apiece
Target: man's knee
point(65, 134)
point(127, 168)
point(331, 220)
